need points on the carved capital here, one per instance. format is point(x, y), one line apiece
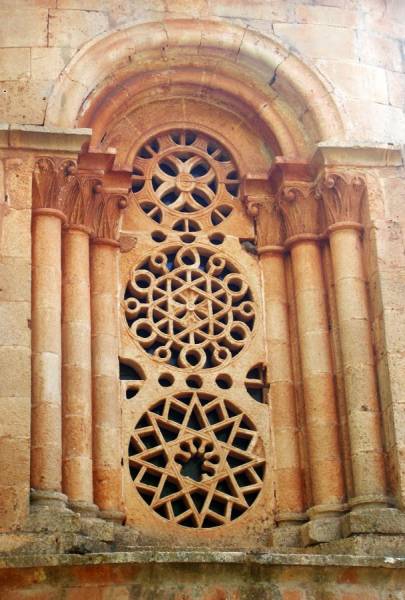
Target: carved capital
point(269, 229)
point(292, 186)
point(341, 196)
point(106, 215)
point(79, 197)
point(299, 208)
point(252, 206)
point(260, 206)
point(50, 176)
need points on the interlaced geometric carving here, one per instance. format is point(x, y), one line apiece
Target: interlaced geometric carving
point(188, 174)
point(196, 460)
point(189, 306)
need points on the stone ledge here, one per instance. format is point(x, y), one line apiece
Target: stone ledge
point(37, 137)
point(202, 557)
point(386, 521)
point(357, 154)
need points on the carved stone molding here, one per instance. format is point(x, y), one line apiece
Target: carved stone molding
point(341, 195)
point(50, 176)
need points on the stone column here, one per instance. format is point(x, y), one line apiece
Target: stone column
point(297, 203)
point(290, 510)
point(104, 275)
point(46, 422)
point(76, 346)
point(342, 196)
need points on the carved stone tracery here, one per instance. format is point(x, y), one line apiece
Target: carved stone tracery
point(196, 460)
point(189, 306)
point(185, 180)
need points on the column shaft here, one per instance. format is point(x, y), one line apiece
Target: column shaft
point(289, 485)
point(358, 366)
point(76, 370)
point(106, 398)
point(319, 393)
point(46, 434)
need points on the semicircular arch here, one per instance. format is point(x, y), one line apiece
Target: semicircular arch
point(252, 73)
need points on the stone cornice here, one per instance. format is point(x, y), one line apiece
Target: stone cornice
point(45, 139)
point(221, 557)
point(357, 155)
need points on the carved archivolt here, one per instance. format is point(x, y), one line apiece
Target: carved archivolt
point(196, 460)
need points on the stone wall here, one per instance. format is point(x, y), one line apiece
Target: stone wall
point(210, 577)
point(357, 46)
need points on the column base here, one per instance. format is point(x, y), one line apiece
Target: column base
point(381, 520)
point(116, 516)
point(287, 532)
point(324, 525)
point(85, 509)
point(55, 501)
point(287, 536)
point(321, 531)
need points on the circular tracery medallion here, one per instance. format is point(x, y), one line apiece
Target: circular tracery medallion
point(196, 460)
point(185, 174)
point(190, 307)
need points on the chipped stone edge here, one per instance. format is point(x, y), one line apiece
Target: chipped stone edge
point(201, 557)
point(39, 137)
point(358, 154)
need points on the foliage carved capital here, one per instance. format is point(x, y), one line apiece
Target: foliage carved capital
point(50, 177)
point(299, 209)
point(260, 206)
point(341, 195)
point(106, 215)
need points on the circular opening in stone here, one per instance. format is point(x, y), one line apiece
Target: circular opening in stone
point(166, 379)
point(194, 381)
point(224, 381)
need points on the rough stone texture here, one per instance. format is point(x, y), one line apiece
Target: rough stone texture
point(220, 576)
